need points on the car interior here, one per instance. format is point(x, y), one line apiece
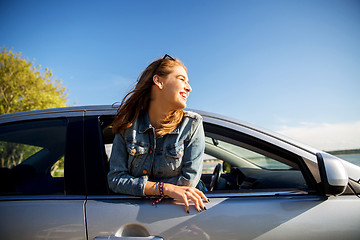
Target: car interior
point(240, 169)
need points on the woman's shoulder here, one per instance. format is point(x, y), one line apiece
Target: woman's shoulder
point(192, 115)
point(192, 118)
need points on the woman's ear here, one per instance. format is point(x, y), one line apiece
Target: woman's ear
point(158, 81)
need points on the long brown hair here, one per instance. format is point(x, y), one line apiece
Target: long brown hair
point(139, 98)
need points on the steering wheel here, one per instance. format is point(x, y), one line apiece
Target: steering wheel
point(215, 178)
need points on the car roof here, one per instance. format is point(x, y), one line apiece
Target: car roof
point(56, 112)
point(78, 111)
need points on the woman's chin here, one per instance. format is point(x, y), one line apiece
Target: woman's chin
point(180, 106)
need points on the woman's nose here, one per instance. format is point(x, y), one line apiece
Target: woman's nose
point(188, 87)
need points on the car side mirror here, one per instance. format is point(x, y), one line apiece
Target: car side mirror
point(333, 175)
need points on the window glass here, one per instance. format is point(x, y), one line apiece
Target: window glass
point(250, 156)
point(57, 170)
point(12, 154)
point(249, 167)
point(32, 157)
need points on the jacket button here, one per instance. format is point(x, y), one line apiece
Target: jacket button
point(144, 172)
point(133, 151)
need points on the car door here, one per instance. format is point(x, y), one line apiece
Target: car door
point(264, 192)
point(39, 198)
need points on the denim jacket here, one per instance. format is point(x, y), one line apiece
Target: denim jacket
point(137, 155)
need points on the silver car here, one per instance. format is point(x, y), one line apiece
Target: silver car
point(261, 185)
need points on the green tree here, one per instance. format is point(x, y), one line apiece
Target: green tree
point(23, 87)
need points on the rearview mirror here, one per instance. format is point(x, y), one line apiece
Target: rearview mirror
point(333, 175)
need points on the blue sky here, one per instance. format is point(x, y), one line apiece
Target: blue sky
point(288, 66)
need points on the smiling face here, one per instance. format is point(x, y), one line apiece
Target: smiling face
point(175, 89)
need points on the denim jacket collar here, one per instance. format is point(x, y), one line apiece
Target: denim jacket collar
point(144, 122)
point(145, 125)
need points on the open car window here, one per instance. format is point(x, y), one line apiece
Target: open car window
point(249, 164)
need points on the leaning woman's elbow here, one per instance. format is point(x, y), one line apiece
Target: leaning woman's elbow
point(182, 181)
point(112, 183)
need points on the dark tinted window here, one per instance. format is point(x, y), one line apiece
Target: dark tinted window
point(32, 157)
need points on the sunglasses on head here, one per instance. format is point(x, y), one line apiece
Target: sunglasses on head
point(165, 57)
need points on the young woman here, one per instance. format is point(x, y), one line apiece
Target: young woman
point(158, 147)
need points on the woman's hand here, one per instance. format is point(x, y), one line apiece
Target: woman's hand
point(184, 194)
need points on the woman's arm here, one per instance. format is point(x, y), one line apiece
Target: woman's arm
point(192, 164)
point(119, 178)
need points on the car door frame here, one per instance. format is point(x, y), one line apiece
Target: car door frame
point(56, 215)
point(118, 213)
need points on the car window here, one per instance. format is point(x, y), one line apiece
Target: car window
point(32, 157)
point(57, 170)
point(245, 155)
point(248, 163)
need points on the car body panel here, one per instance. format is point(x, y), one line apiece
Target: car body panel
point(263, 217)
point(41, 218)
point(88, 210)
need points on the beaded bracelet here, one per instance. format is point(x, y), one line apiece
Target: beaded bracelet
point(161, 191)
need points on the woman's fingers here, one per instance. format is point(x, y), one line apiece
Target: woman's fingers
point(186, 194)
point(202, 195)
point(195, 199)
point(197, 196)
point(186, 202)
